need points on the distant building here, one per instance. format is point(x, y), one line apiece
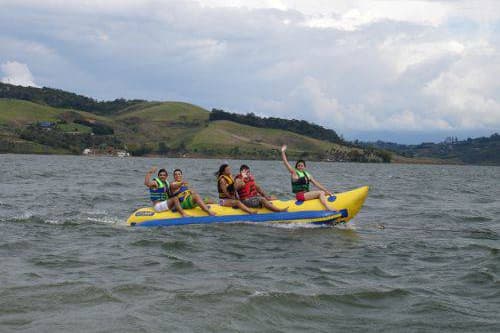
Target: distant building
point(88, 151)
point(46, 125)
point(122, 153)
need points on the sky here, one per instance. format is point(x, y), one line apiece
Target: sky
point(402, 71)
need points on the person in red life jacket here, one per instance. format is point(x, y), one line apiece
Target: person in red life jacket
point(159, 192)
point(252, 194)
point(301, 180)
point(188, 197)
point(227, 193)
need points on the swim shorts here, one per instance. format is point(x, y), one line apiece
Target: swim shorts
point(253, 202)
point(300, 196)
point(188, 202)
point(161, 206)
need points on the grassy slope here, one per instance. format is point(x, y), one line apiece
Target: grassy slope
point(18, 113)
point(151, 123)
point(228, 135)
point(15, 114)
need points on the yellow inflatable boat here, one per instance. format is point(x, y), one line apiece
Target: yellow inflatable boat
point(346, 205)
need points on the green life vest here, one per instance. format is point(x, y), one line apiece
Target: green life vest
point(161, 193)
point(301, 184)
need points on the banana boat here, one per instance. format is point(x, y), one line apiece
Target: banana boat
point(345, 206)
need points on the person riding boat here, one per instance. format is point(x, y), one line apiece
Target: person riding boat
point(187, 197)
point(227, 193)
point(252, 194)
point(301, 180)
point(159, 191)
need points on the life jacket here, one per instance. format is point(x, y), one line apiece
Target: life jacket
point(249, 190)
point(301, 184)
point(230, 186)
point(160, 193)
point(182, 193)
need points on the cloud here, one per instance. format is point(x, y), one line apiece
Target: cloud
point(17, 73)
point(466, 93)
point(352, 65)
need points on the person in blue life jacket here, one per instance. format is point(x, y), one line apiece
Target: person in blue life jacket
point(251, 194)
point(301, 179)
point(187, 196)
point(159, 191)
point(228, 196)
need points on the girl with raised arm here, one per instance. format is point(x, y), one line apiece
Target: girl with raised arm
point(301, 179)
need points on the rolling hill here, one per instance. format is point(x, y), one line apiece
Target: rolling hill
point(48, 121)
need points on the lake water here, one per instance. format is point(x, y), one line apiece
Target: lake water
point(67, 262)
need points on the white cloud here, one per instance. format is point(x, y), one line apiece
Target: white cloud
point(403, 51)
point(467, 93)
point(17, 73)
point(346, 64)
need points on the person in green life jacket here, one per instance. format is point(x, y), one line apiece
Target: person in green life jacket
point(301, 179)
point(188, 197)
point(227, 193)
point(252, 194)
point(159, 191)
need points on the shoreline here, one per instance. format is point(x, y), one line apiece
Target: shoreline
point(396, 160)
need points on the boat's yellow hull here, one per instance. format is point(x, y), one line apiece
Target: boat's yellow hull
point(345, 204)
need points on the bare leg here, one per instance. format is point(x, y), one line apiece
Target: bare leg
point(243, 207)
point(318, 195)
point(269, 205)
point(202, 205)
point(239, 204)
point(174, 201)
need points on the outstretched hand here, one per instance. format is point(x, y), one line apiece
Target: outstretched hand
point(283, 148)
point(152, 170)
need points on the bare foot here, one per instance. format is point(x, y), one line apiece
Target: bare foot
point(211, 213)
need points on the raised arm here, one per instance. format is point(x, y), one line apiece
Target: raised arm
point(320, 186)
point(285, 161)
point(238, 184)
point(147, 179)
point(174, 186)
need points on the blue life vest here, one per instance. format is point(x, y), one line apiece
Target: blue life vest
point(160, 193)
point(182, 193)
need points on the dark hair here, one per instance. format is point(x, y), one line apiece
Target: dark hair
point(244, 167)
point(300, 161)
point(178, 170)
point(221, 169)
point(162, 170)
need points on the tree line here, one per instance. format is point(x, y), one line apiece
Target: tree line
point(296, 126)
point(63, 99)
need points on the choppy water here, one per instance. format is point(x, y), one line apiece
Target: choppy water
point(68, 263)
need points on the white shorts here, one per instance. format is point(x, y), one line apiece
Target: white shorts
point(161, 206)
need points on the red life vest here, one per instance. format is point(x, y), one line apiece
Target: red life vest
point(249, 190)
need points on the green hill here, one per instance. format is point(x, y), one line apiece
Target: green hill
point(34, 125)
point(482, 150)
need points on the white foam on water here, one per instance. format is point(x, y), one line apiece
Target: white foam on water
point(105, 220)
point(291, 226)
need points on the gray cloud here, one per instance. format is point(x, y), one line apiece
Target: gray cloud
point(350, 66)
